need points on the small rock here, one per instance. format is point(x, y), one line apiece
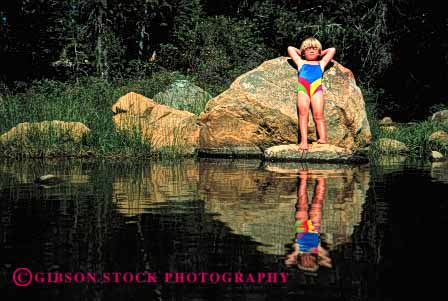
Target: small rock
point(440, 116)
point(48, 180)
point(387, 145)
point(386, 121)
point(437, 157)
point(439, 137)
point(389, 128)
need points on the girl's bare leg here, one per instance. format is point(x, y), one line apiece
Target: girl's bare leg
point(317, 106)
point(317, 202)
point(303, 104)
point(302, 198)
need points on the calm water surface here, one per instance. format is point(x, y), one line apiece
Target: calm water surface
point(213, 215)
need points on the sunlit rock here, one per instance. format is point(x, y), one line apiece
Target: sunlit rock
point(259, 111)
point(162, 127)
point(62, 130)
point(316, 152)
point(133, 103)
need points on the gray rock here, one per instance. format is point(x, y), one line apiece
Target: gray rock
point(441, 116)
point(184, 95)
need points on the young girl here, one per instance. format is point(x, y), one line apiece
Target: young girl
point(311, 61)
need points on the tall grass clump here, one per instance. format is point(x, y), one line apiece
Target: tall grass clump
point(371, 97)
point(89, 101)
point(416, 137)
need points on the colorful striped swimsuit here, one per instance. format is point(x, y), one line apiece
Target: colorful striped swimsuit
point(307, 236)
point(310, 79)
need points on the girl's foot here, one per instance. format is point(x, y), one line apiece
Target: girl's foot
point(303, 146)
point(321, 141)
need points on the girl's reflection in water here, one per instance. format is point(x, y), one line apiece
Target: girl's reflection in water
point(308, 252)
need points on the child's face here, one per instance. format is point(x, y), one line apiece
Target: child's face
point(312, 53)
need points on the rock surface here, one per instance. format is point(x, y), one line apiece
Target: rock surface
point(183, 95)
point(315, 153)
point(386, 145)
point(437, 157)
point(438, 138)
point(259, 111)
point(441, 116)
point(133, 103)
point(69, 130)
point(163, 127)
point(386, 121)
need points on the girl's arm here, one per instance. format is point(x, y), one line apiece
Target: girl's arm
point(296, 56)
point(327, 56)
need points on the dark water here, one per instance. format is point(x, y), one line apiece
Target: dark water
point(221, 216)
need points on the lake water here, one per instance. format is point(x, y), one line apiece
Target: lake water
point(125, 231)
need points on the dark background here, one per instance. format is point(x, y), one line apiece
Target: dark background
point(396, 49)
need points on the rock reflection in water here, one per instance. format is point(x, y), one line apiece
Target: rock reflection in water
point(259, 201)
point(253, 199)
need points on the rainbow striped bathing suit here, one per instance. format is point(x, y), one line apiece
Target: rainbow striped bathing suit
point(307, 236)
point(310, 79)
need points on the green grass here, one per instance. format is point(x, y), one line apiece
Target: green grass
point(88, 101)
point(414, 136)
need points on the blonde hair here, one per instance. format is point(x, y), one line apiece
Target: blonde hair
point(310, 42)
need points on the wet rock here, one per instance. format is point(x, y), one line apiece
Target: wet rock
point(439, 171)
point(437, 157)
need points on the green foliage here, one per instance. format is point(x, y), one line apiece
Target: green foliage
point(438, 107)
point(220, 49)
point(88, 100)
point(416, 137)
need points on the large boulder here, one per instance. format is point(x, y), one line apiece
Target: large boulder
point(259, 111)
point(133, 103)
point(66, 130)
point(163, 127)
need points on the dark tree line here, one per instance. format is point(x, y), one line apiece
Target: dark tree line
point(396, 48)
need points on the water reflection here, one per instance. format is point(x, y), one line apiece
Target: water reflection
point(308, 251)
point(206, 215)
